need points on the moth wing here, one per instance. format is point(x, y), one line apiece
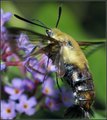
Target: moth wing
point(35, 38)
point(59, 62)
point(90, 47)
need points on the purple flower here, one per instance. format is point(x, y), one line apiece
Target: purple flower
point(2, 66)
point(26, 105)
point(38, 77)
point(4, 17)
point(52, 104)
point(67, 97)
point(48, 64)
point(28, 84)
point(33, 66)
point(39, 74)
point(24, 44)
point(16, 89)
point(48, 87)
point(8, 110)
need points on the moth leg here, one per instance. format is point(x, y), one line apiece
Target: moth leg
point(62, 79)
point(31, 67)
point(58, 83)
point(46, 71)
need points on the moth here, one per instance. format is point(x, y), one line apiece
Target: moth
point(72, 64)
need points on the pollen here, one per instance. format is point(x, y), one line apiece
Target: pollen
point(8, 110)
point(25, 106)
point(50, 104)
point(47, 90)
point(16, 91)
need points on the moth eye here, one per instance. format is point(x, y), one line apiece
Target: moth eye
point(69, 43)
point(49, 33)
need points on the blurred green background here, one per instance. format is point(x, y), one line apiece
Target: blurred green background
point(83, 21)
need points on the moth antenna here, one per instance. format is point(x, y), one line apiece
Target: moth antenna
point(28, 21)
point(59, 15)
point(39, 22)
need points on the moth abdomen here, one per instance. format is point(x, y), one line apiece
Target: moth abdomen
point(83, 89)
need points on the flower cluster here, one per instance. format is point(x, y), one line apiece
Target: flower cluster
point(34, 84)
point(8, 57)
point(4, 47)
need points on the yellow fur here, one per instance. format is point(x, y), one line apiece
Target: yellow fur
point(71, 55)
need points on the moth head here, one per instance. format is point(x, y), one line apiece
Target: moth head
point(59, 37)
point(49, 32)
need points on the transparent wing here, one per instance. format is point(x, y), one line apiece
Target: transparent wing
point(90, 47)
point(37, 39)
point(59, 62)
point(44, 47)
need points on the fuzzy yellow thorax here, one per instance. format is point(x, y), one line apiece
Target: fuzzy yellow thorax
point(73, 54)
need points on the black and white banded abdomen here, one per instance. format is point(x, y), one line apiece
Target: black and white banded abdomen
point(82, 85)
